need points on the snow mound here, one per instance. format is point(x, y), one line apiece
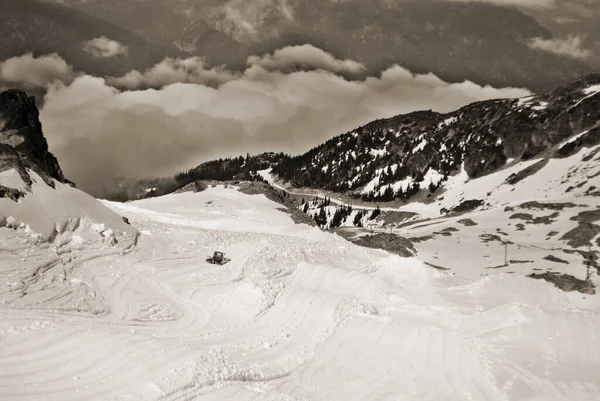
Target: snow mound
point(46, 212)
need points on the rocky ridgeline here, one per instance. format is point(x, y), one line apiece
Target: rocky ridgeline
point(22, 143)
point(403, 155)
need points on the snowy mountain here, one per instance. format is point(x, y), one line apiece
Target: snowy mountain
point(35, 197)
point(408, 157)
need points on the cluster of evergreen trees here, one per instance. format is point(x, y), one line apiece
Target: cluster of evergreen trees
point(238, 168)
point(339, 216)
point(389, 194)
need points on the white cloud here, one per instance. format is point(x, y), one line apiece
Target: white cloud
point(34, 73)
point(100, 134)
point(305, 57)
point(105, 48)
point(569, 47)
point(170, 71)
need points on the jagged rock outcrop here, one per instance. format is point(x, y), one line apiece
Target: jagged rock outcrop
point(22, 143)
point(400, 156)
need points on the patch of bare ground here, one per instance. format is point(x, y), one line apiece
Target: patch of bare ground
point(388, 242)
point(464, 207)
point(592, 191)
point(529, 171)
point(586, 231)
point(590, 257)
point(417, 240)
point(553, 258)
point(573, 187)
point(348, 233)
point(535, 220)
point(11, 193)
point(467, 222)
point(395, 217)
point(590, 155)
point(591, 138)
point(566, 282)
point(521, 216)
point(196, 186)
point(581, 235)
point(492, 237)
point(446, 232)
point(550, 205)
point(436, 266)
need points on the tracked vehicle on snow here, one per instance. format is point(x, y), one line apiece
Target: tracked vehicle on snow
point(218, 258)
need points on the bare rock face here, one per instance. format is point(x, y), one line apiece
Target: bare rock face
point(22, 143)
point(566, 282)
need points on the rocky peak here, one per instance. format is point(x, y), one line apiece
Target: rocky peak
point(22, 142)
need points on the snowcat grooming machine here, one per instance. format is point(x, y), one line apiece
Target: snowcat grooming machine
point(218, 258)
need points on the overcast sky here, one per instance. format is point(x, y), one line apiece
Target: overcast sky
point(100, 133)
point(180, 112)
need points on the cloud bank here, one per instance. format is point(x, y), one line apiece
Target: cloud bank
point(569, 47)
point(170, 71)
point(101, 134)
point(103, 47)
point(306, 57)
point(35, 73)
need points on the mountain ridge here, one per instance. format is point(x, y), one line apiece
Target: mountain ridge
point(481, 137)
point(417, 157)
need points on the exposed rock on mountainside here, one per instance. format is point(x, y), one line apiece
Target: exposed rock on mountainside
point(399, 157)
point(22, 143)
point(567, 282)
point(388, 242)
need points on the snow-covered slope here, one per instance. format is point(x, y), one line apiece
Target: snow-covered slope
point(46, 235)
point(45, 211)
point(546, 210)
point(297, 314)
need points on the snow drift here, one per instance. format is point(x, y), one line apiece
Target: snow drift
point(297, 314)
point(46, 212)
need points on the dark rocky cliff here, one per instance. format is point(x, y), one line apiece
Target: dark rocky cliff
point(22, 142)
